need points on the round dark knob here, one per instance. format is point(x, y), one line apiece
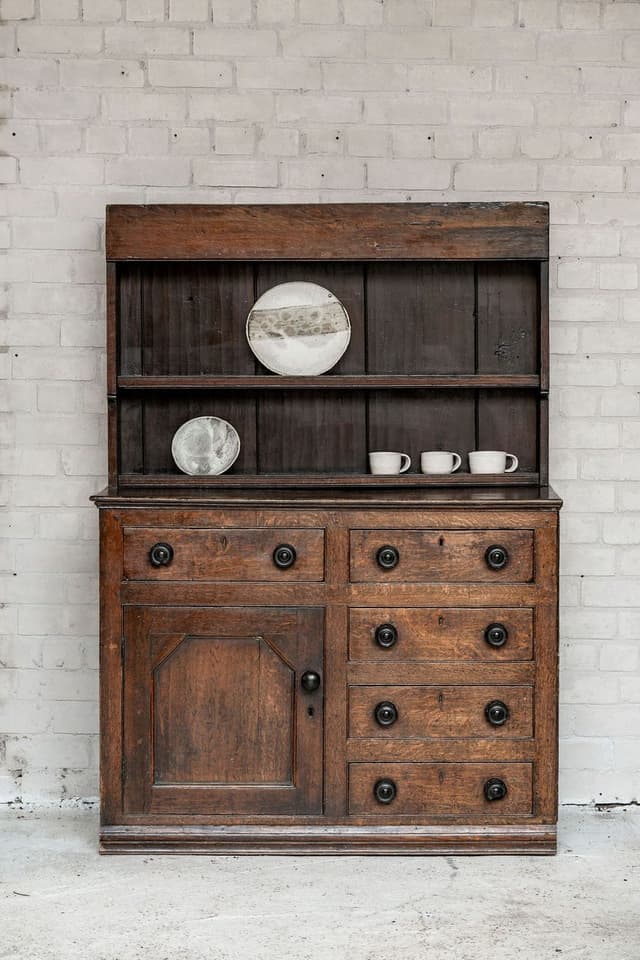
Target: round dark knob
point(497, 557)
point(385, 791)
point(310, 681)
point(385, 713)
point(496, 635)
point(495, 789)
point(161, 554)
point(386, 635)
point(388, 557)
point(284, 556)
point(496, 712)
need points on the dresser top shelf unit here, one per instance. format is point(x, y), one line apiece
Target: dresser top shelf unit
point(448, 305)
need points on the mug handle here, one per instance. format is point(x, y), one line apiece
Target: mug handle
point(514, 465)
point(407, 464)
point(456, 466)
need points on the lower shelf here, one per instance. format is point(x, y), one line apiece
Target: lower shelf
point(525, 839)
point(330, 480)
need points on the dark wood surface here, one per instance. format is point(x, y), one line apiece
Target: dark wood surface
point(357, 231)
point(428, 712)
point(440, 633)
point(209, 743)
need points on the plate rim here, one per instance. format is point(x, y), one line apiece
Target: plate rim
point(210, 416)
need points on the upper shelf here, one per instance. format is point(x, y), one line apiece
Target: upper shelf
point(337, 382)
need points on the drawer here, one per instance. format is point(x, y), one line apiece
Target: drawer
point(427, 712)
point(393, 634)
point(222, 554)
point(440, 789)
point(435, 556)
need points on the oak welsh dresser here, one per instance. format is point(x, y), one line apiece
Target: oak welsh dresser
point(297, 656)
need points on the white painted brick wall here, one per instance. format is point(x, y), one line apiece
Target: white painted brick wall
point(276, 100)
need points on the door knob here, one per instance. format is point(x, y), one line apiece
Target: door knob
point(385, 713)
point(385, 791)
point(386, 635)
point(497, 557)
point(161, 554)
point(496, 712)
point(388, 557)
point(496, 635)
point(310, 681)
point(495, 789)
point(284, 556)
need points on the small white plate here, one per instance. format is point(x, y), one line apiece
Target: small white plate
point(205, 446)
point(298, 329)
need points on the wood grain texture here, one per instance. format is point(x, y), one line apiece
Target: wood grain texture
point(440, 633)
point(508, 318)
point(330, 381)
point(359, 231)
point(223, 554)
point(214, 716)
point(429, 712)
point(440, 789)
point(441, 555)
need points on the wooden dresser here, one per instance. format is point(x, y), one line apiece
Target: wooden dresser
point(298, 656)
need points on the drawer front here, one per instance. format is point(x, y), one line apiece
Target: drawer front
point(439, 789)
point(446, 633)
point(436, 556)
point(427, 712)
point(223, 554)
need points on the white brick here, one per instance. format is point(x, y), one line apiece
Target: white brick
point(231, 107)
point(368, 13)
point(239, 43)
point(581, 560)
point(618, 276)
point(491, 112)
point(581, 497)
point(106, 11)
point(279, 141)
point(331, 172)
point(387, 44)
point(410, 141)
point(364, 76)
point(367, 141)
point(148, 141)
point(190, 141)
point(8, 170)
point(583, 309)
point(278, 74)
point(276, 11)
point(19, 137)
point(62, 106)
point(151, 171)
point(102, 73)
point(559, 47)
point(622, 80)
point(611, 339)
point(583, 178)
point(54, 299)
point(622, 16)
point(529, 78)
point(323, 140)
point(238, 173)
point(450, 77)
point(569, 241)
point(452, 13)
point(409, 174)
point(17, 9)
point(189, 73)
point(61, 138)
point(152, 10)
point(154, 41)
point(49, 39)
point(55, 234)
point(138, 105)
point(610, 591)
point(453, 144)
point(106, 140)
point(494, 13)
point(407, 109)
point(580, 16)
point(562, 111)
point(59, 9)
point(493, 45)
point(497, 144)
point(29, 73)
point(189, 10)
point(57, 170)
point(235, 140)
point(407, 13)
point(620, 403)
point(538, 13)
point(476, 175)
point(231, 11)
point(317, 42)
point(577, 274)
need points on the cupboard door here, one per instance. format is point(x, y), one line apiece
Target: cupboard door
point(216, 718)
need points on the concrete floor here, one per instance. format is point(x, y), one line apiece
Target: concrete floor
point(60, 901)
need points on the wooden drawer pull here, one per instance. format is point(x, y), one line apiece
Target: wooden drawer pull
point(385, 791)
point(496, 712)
point(497, 557)
point(496, 635)
point(284, 556)
point(388, 557)
point(386, 635)
point(161, 554)
point(385, 713)
point(495, 789)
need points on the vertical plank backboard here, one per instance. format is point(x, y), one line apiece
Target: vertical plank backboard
point(508, 317)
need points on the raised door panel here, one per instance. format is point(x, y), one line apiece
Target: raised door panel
point(215, 719)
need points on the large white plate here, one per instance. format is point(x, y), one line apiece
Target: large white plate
point(205, 446)
point(298, 329)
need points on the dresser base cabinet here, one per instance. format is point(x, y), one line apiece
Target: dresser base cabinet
point(333, 698)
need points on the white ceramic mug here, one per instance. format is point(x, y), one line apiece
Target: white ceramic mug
point(492, 461)
point(385, 461)
point(439, 461)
